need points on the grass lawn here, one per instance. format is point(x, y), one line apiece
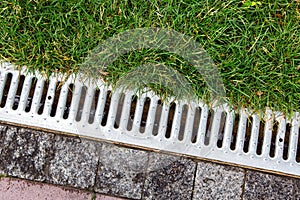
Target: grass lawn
point(255, 45)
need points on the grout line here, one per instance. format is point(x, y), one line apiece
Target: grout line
point(96, 175)
point(194, 181)
point(93, 195)
point(97, 168)
point(146, 174)
point(294, 189)
point(244, 184)
point(49, 158)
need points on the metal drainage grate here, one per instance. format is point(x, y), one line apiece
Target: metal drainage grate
point(191, 129)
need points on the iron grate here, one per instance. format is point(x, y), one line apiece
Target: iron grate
point(92, 110)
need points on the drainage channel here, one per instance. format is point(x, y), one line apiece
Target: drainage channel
point(92, 110)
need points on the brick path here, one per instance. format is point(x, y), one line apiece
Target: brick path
point(12, 189)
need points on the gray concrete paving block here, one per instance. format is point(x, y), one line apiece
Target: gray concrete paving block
point(121, 171)
point(2, 136)
point(75, 162)
point(266, 186)
point(169, 177)
point(297, 188)
point(215, 181)
point(25, 153)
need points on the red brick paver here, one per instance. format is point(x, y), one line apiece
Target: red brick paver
point(16, 189)
point(102, 197)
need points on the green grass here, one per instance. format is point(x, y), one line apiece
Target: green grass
point(254, 45)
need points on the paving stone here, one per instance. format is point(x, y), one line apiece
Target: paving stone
point(296, 188)
point(169, 177)
point(12, 189)
point(121, 171)
point(266, 186)
point(103, 197)
point(75, 162)
point(215, 181)
point(2, 136)
point(25, 153)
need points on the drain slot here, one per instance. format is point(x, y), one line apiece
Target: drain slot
point(18, 93)
point(6, 89)
point(106, 108)
point(68, 101)
point(43, 98)
point(183, 122)
point(273, 139)
point(221, 129)
point(248, 134)
point(158, 112)
point(119, 111)
point(131, 113)
point(94, 106)
point(235, 131)
point(31, 93)
point(210, 117)
point(196, 124)
point(286, 141)
point(170, 120)
point(298, 148)
point(260, 139)
point(81, 103)
point(145, 114)
point(56, 98)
